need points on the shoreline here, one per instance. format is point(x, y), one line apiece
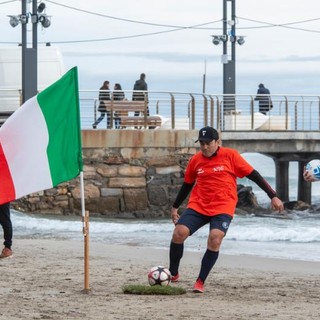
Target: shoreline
point(45, 278)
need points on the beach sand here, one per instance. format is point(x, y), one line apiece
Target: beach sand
point(45, 278)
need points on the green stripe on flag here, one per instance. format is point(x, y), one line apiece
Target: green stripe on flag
point(61, 109)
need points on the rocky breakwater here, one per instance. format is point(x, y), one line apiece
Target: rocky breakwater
point(115, 187)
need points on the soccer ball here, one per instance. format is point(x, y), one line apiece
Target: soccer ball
point(314, 167)
point(159, 276)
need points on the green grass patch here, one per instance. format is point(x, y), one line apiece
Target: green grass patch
point(142, 289)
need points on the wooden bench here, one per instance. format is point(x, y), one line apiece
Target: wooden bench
point(123, 107)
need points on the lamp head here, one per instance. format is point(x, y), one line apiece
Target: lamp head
point(14, 21)
point(216, 40)
point(45, 21)
point(41, 7)
point(241, 40)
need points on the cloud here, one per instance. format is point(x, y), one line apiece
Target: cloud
point(163, 56)
point(187, 57)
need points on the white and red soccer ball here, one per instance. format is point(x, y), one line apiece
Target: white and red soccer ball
point(159, 275)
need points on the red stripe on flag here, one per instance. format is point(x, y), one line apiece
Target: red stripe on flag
point(7, 190)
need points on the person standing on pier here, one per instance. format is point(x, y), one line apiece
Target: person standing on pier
point(265, 103)
point(211, 178)
point(140, 85)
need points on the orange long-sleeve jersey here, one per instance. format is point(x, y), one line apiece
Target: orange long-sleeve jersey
point(214, 178)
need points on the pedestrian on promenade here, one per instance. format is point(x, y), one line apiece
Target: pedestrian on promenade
point(104, 94)
point(265, 103)
point(140, 85)
point(211, 177)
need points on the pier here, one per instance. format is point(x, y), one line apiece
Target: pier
point(283, 148)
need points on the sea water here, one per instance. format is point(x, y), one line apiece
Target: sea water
point(294, 237)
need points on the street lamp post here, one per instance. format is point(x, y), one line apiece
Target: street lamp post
point(30, 54)
point(229, 68)
point(229, 60)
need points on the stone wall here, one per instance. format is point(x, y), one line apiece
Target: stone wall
point(123, 177)
point(127, 173)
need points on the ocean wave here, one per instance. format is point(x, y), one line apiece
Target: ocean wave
point(267, 237)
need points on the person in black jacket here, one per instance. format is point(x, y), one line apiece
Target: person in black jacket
point(6, 224)
point(265, 103)
point(140, 85)
point(104, 94)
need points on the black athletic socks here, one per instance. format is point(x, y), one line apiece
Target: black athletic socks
point(208, 261)
point(175, 255)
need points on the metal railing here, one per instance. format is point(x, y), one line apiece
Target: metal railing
point(180, 110)
point(224, 112)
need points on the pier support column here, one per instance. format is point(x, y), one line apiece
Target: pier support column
point(282, 179)
point(304, 187)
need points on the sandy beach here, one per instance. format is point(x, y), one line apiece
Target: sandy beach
point(45, 278)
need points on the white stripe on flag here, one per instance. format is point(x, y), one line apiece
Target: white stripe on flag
point(26, 130)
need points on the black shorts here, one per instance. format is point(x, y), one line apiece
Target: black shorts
point(194, 221)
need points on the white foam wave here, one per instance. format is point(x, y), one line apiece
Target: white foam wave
point(247, 235)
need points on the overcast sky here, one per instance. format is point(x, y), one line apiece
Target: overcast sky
point(282, 47)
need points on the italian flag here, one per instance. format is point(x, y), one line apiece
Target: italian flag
point(40, 144)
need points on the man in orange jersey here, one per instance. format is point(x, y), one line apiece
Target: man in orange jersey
point(211, 175)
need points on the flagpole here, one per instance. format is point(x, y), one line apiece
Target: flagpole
point(85, 221)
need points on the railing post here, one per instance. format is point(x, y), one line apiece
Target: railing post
point(219, 121)
point(211, 111)
point(193, 112)
point(173, 111)
point(286, 112)
point(111, 115)
point(205, 110)
point(252, 111)
point(95, 110)
point(296, 116)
